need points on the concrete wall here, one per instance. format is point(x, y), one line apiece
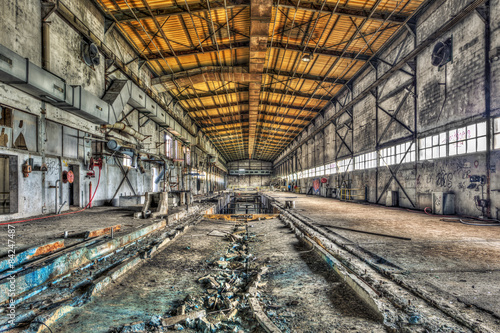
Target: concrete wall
point(21, 31)
point(249, 180)
point(438, 100)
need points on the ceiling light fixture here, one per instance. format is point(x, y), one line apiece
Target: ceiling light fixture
point(306, 57)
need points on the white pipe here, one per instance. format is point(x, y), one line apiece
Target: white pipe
point(127, 129)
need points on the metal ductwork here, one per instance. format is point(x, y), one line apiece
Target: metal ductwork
point(26, 76)
point(123, 92)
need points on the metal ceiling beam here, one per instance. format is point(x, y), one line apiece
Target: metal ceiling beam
point(380, 15)
point(232, 74)
point(245, 90)
point(235, 144)
point(178, 9)
point(245, 140)
point(246, 44)
point(204, 75)
point(320, 52)
point(304, 76)
point(265, 103)
point(438, 33)
point(229, 118)
point(182, 9)
point(261, 129)
point(247, 123)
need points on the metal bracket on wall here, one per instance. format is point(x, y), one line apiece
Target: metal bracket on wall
point(393, 176)
point(48, 7)
point(125, 173)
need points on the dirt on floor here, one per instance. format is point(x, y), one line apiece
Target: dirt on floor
point(299, 293)
point(38, 232)
point(452, 261)
point(302, 293)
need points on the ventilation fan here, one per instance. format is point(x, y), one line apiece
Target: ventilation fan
point(90, 54)
point(441, 54)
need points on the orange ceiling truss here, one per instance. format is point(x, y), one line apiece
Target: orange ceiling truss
point(237, 66)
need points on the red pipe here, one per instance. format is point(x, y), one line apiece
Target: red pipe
point(90, 195)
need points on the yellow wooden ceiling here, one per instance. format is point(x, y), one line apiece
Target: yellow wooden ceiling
point(178, 36)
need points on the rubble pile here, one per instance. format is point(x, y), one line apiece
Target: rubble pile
point(224, 305)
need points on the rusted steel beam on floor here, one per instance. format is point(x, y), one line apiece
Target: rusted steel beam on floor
point(95, 233)
point(363, 231)
point(30, 254)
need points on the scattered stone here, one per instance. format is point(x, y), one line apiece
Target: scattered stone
point(155, 321)
point(178, 327)
point(138, 326)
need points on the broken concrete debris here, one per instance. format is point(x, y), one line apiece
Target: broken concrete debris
point(228, 291)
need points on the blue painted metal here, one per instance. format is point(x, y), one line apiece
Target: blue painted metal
point(70, 261)
point(30, 254)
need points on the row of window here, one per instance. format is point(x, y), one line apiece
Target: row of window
point(463, 140)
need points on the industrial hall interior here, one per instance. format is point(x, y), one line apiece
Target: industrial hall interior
point(250, 166)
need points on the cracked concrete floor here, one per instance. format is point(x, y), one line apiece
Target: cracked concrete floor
point(453, 261)
point(300, 293)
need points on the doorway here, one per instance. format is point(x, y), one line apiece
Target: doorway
point(4, 185)
point(74, 188)
point(8, 184)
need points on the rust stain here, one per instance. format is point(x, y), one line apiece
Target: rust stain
point(100, 232)
point(240, 217)
point(49, 248)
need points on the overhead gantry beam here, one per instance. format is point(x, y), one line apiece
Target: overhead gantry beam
point(221, 136)
point(265, 103)
point(227, 119)
point(182, 9)
point(229, 140)
point(204, 75)
point(245, 90)
point(271, 124)
point(244, 45)
point(263, 129)
point(224, 74)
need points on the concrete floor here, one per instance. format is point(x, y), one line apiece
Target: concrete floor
point(38, 232)
point(452, 261)
point(322, 303)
